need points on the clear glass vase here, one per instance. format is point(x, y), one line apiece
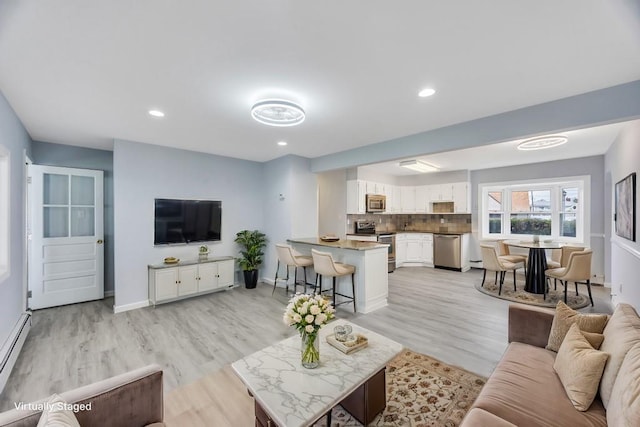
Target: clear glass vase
point(310, 350)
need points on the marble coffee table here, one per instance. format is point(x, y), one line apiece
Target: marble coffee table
point(286, 394)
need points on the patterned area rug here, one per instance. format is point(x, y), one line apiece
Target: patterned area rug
point(574, 301)
point(421, 391)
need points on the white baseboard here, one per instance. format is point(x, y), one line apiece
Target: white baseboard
point(12, 347)
point(132, 306)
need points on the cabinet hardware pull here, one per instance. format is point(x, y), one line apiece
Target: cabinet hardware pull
point(99, 241)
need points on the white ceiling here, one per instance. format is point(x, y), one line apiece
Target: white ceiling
point(582, 143)
point(84, 73)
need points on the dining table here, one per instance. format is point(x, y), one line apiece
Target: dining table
point(537, 263)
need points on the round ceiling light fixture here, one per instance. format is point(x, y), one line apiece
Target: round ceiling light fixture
point(542, 142)
point(282, 143)
point(426, 92)
point(276, 112)
point(156, 113)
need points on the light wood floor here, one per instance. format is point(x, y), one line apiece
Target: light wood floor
point(430, 311)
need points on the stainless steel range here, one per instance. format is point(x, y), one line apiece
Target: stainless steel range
point(369, 228)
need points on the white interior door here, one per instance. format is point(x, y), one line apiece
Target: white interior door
point(66, 256)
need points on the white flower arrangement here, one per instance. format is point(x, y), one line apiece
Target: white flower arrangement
point(308, 313)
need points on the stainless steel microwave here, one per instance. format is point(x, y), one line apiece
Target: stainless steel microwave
point(376, 202)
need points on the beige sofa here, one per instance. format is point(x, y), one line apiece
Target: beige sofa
point(524, 390)
point(133, 399)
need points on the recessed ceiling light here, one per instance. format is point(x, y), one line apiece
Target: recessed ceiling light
point(426, 92)
point(542, 142)
point(419, 166)
point(156, 113)
point(282, 143)
point(276, 112)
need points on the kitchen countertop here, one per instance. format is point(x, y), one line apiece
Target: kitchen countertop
point(341, 244)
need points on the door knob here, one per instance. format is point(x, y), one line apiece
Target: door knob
point(100, 241)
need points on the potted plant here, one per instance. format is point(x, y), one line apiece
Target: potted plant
point(252, 243)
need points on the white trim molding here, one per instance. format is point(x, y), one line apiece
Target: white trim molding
point(5, 212)
point(633, 251)
point(126, 307)
point(12, 347)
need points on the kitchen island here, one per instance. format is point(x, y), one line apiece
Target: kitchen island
point(370, 260)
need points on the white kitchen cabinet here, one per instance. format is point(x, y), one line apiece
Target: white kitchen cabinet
point(440, 192)
point(408, 199)
point(414, 249)
point(422, 198)
point(188, 278)
point(374, 187)
point(461, 197)
point(396, 201)
point(427, 249)
point(356, 197)
point(390, 193)
point(401, 249)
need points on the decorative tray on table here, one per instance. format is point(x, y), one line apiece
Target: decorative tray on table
point(329, 238)
point(348, 347)
point(171, 260)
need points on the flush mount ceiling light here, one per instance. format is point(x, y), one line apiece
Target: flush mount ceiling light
point(542, 142)
point(282, 143)
point(275, 112)
point(156, 113)
point(419, 166)
point(426, 92)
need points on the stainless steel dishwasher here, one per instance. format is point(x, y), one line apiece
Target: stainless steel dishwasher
point(446, 251)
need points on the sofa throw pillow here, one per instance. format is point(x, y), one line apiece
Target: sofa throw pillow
point(56, 415)
point(565, 317)
point(624, 405)
point(580, 368)
point(621, 334)
point(594, 339)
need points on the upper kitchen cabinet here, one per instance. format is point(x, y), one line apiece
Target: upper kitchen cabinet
point(422, 199)
point(410, 199)
point(407, 199)
point(394, 204)
point(375, 187)
point(461, 197)
point(440, 192)
point(356, 197)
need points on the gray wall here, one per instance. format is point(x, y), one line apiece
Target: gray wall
point(295, 213)
point(592, 166)
point(623, 256)
point(332, 200)
point(44, 153)
point(143, 172)
point(15, 139)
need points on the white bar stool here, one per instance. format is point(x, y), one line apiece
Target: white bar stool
point(324, 265)
point(289, 257)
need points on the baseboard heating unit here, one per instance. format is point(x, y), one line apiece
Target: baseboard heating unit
point(12, 346)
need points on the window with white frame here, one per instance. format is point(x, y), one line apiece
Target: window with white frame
point(4, 212)
point(555, 208)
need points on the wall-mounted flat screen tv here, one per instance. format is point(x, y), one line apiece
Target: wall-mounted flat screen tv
point(186, 221)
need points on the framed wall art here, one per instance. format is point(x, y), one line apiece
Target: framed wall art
point(625, 215)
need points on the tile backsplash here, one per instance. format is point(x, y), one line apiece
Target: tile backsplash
point(433, 223)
